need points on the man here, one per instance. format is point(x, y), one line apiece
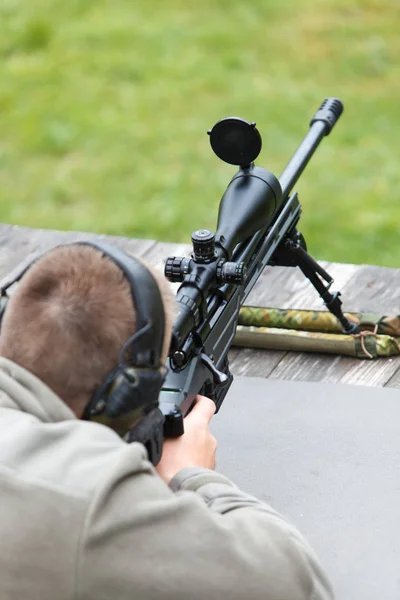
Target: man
point(85, 515)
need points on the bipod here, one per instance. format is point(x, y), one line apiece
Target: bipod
point(294, 254)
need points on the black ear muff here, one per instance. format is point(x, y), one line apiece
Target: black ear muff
point(149, 432)
point(124, 403)
point(127, 401)
point(127, 395)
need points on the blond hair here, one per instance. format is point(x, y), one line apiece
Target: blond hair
point(69, 318)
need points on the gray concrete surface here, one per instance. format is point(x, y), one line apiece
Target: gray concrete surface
point(328, 457)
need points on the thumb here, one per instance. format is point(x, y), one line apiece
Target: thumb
point(203, 408)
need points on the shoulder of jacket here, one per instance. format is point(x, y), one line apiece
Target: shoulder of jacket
point(72, 456)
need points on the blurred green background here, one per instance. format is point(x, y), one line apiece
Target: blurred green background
point(104, 105)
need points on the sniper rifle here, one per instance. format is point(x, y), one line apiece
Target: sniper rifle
point(257, 226)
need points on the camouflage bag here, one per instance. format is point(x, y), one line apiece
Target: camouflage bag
point(317, 331)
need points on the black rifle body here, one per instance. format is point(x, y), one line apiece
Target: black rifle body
point(264, 214)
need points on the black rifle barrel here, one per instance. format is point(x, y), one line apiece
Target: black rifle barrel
point(321, 125)
point(301, 157)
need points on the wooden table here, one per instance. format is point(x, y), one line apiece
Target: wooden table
point(364, 288)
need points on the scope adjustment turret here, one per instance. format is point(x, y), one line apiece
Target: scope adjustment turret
point(231, 272)
point(203, 241)
point(176, 268)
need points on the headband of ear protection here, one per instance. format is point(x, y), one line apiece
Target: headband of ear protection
point(127, 401)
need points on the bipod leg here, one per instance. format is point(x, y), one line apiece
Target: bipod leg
point(312, 270)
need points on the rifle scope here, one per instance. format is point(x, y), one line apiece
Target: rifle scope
point(254, 195)
point(253, 200)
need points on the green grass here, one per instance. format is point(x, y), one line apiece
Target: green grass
point(104, 107)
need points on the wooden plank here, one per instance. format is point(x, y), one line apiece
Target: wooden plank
point(335, 369)
point(244, 361)
point(364, 288)
point(300, 366)
point(373, 289)
point(394, 381)
point(375, 372)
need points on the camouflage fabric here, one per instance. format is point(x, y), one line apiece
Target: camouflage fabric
point(317, 331)
point(311, 320)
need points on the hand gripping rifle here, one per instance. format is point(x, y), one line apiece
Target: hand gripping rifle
point(257, 222)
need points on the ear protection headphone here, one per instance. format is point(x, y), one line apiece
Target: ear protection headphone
point(127, 401)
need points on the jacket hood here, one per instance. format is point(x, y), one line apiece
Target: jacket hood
point(21, 390)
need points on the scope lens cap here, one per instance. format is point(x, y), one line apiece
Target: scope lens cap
point(235, 141)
